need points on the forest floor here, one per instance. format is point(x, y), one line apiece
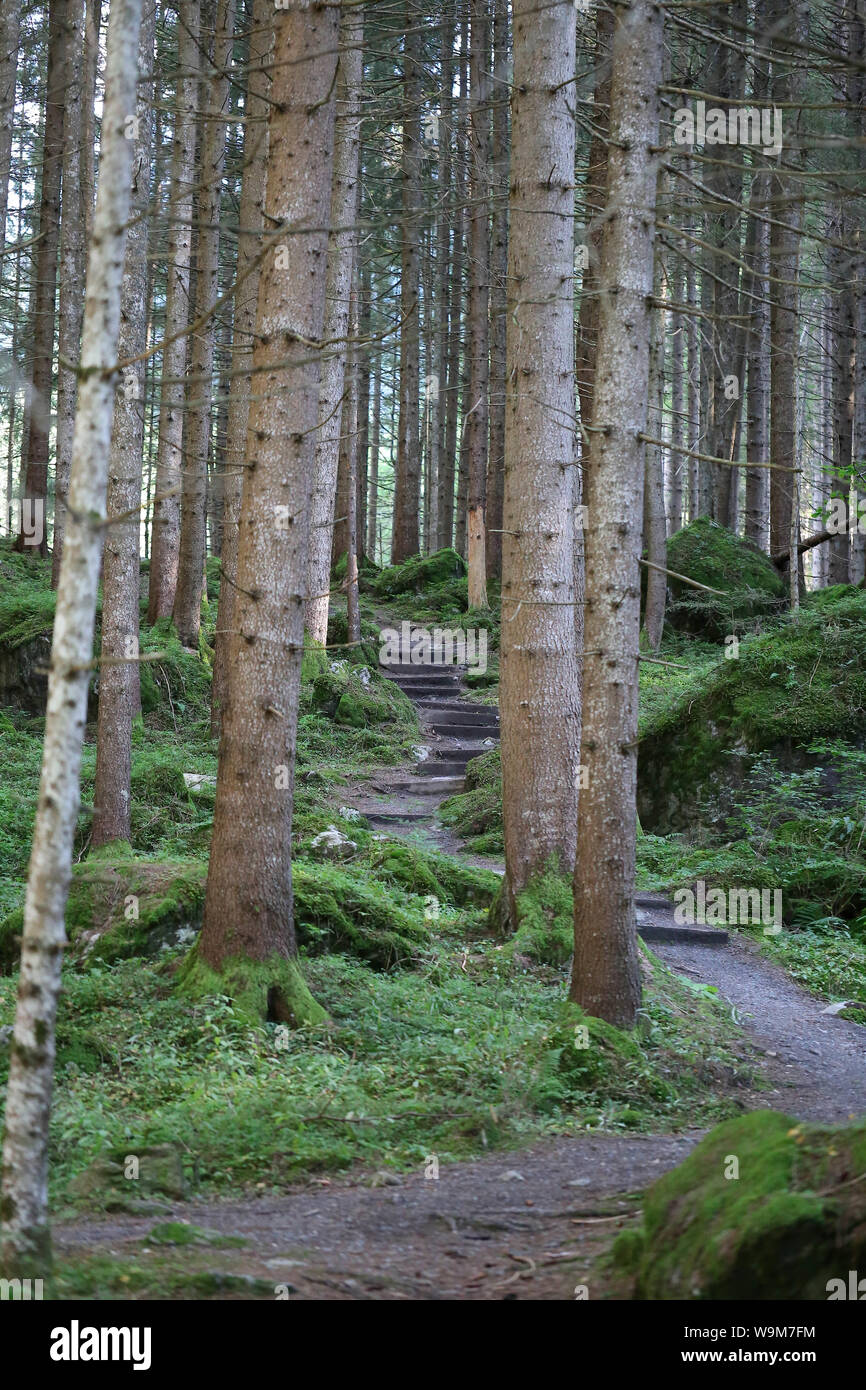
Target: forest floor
point(531, 1224)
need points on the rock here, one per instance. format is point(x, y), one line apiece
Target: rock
point(112, 1176)
point(511, 1175)
point(6, 1033)
point(349, 813)
point(421, 753)
point(198, 781)
point(332, 844)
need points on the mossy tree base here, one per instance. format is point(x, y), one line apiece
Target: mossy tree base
point(269, 991)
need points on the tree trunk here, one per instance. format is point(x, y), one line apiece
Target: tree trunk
point(596, 184)
point(606, 977)
point(654, 528)
point(165, 542)
point(26, 1236)
point(539, 692)
point(788, 20)
point(10, 25)
point(479, 292)
point(35, 450)
point(72, 266)
point(248, 917)
point(498, 279)
point(407, 477)
point(119, 697)
point(342, 250)
point(250, 217)
point(373, 484)
point(197, 425)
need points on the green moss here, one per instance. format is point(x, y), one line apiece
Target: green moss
point(476, 812)
point(763, 1208)
point(717, 557)
point(120, 907)
point(545, 918)
point(804, 679)
point(341, 910)
point(419, 573)
point(272, 989)
point(426, 873)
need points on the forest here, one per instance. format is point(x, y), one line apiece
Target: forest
point(432, 653)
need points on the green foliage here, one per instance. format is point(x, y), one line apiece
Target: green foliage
point(803, 680)
point(457, 1056)
point(476, 812)
point(27, 600)
point(712, 555)
point(786, 1224)
point(545, 918)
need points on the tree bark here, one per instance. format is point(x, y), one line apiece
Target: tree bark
point(72, 266)
point(248, 915)
point(119, 686)
point(35, 452)
point(539, 696)
point(498, 280)
point(165, 541)
point(407, 477)
point(342, 251)
point(197, 424)
point(605, 976)
point(479, 293)
point(26, 1235)
point(250, 222)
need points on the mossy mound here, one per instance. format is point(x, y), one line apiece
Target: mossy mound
point(764, 1208)
point(713, 555)
point(803, 680)
point(476, 812)
point(429, 874)
point(120, 907)
point(545, 918)
point(27, 604)
point(419, 573)
point(350, 913)
point(175, 682)
point(353, 695)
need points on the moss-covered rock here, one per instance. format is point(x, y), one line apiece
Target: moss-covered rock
point(805, 679)
point(340, 910)
point(717, 557)
point(356, 696)
point(120, 906)
point(420, 573)
point(118, 1177)
point(429, 874)
point(764, 1208)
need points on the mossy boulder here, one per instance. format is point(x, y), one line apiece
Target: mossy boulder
point(357, 696)
point(121, 1179)
point(120, 906)
point(420, 573)
point(348, 912)
point(429, 874)
point(712, 555)
point(764, 1208)
point(801, 681)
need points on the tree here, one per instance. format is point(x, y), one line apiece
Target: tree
point(26, 1237)
point(539, 691)
point(119, 692)
point(248, 936)
point(407, 479)
point(198, 423)
point(36, 451)
point(478, 421)
point(605, 976)
point(250, 223)
point(342, 244)
point(165, 542)
point(72, 263)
